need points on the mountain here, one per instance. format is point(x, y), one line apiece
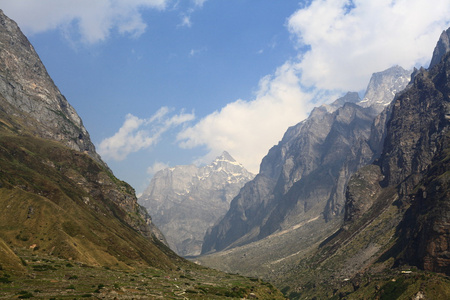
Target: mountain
point(397, 209)
point(383, 86)
point(442, 47)
point(392, 241)
point(49, 164)
point(186, 200)
point(303, 178)
point(68, 227)
point(29, 94)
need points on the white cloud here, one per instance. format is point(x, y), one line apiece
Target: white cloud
point(186, 21)
point(347, 42)
point(195, 52)
point(350, 42)
point(199, 2)
point(157, 166)
point(137, 134)
point(247, 129)
point(92, 21)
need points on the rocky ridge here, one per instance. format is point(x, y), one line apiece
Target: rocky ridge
point(397, 210)
point(305, 175)
point(186, 200)
point(29, 93)
point(396, 220)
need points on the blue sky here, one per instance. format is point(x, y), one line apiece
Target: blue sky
point(165, 82)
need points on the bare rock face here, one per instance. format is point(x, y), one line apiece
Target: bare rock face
point(425, 229)
point(29, 93)
point(414, 130)
point(305, 175)
point(361, 190)
point(442, 47)
point(414, 164)
point(383, 86)
point(186, 200)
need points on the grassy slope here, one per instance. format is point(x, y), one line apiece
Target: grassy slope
point(50, 277)
point(45, 205)
point(54, 223)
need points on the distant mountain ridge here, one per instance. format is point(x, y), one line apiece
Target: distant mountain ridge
point(186, 200)
point(305, 175)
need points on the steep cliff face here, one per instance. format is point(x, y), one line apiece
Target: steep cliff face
point(30, 94)
point(399, 206)
point(419, 167)
point(414, 131)
point(305, 175)
point(425, 229)
point(442, 47)
point(186, 200)
point(397, 209)
point(383, 86)
point(48, 161)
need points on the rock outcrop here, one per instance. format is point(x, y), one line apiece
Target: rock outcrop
point(29, 93)
point(442, 47)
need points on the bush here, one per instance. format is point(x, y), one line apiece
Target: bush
point(25, 295)
point(5, 279)
point(393, 289)
point(43, 267)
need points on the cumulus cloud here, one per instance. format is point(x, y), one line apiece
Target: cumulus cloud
point(247, 129)
point(349, 40)
point(137, 134)
point(92, 21)
point(345, 42)
point(157, 166)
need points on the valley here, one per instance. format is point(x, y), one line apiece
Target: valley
point(352, 203)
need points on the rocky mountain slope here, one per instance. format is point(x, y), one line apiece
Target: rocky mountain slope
point(46, 154)
point(29, 94)
point(66, 222)
point(303, 178)
point(397, 212)
point(186, 200)
point(396, 219)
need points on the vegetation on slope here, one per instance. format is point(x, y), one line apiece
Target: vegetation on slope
point(63, 236)
point(54, 278)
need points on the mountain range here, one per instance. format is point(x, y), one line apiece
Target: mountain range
point(353, 202)
point(186, 200)
point(305, 175)
point(354, 198)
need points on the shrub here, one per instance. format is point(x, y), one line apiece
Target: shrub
point(5, 279)
point(25, 295)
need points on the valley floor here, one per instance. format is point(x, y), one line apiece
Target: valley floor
point(47, 277)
